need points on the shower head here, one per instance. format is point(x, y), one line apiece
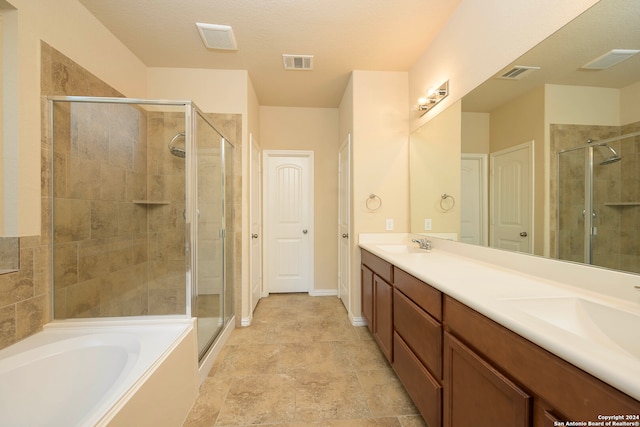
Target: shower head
point(174, 149)
point(615, 157)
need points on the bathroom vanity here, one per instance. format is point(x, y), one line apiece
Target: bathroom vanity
point(477, 345)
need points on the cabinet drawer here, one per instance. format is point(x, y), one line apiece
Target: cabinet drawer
point(421, 332)
point(425, 391)
point(426, 296)
point(379, 266)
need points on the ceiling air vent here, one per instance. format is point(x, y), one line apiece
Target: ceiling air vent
point(518, 72)
point(297, 62)
point(217, 36)
point(609, 59)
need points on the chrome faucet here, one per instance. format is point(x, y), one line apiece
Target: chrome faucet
point(423, 243)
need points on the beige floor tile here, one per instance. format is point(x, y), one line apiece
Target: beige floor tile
point(385, 394)
point(259, 399)
point(302, 364)
point(329, 396)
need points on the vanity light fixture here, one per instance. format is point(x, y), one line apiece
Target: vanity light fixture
point(434, 96)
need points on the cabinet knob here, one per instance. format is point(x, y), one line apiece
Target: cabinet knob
point(345, 235)
point(254, 236)
point(523, 234)
point(305, 231)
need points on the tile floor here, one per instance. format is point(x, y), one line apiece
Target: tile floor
point(302, 363)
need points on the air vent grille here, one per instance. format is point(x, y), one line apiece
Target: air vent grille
point(609, 59)
point(297, 62)
point(518, 72)
point(217, 36)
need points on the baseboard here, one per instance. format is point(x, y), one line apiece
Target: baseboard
point(357, 321)
point(246, 321)
point(323, 292)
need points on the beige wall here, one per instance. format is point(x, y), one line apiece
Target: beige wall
point(313, 129)
point(629, 108)
point(517, 122)
point(480, 38)
point(475, 133)
point(374, 108)
point(580, 105)
point(435, 170)
point(67, 26)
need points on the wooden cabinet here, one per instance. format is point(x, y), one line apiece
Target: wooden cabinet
point(367, 296)
point(477, 394)
point(377, 300)
point(560, 390)
point(383, 316)
point(463, 369)
point(417, 310)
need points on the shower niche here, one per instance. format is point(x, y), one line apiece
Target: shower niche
point(141, 207)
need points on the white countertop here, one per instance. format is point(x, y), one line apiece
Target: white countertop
point(509, 297)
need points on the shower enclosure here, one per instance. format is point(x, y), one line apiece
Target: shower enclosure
point(599, 203)
point(141, 209)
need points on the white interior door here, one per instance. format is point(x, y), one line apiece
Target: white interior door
point(344, 229)
point(474, 199)
point(288, 221)
point(256, 225)
point(511, 198)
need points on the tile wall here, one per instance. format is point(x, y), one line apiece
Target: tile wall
point(615, 244)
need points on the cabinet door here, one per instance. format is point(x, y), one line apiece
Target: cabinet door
point(476, 394)
point(367, 296)
point(383, 316)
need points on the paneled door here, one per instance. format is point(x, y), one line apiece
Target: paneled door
point(512, 198)
point(344, 247)
point(288, 193)
point(255, 212)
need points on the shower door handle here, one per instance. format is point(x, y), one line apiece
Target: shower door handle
point(523, 234)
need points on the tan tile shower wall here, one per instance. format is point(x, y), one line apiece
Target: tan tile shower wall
point(166, 183)
point(616, 242)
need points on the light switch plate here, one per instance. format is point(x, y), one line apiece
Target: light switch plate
point(427, 224)
point(389, 224)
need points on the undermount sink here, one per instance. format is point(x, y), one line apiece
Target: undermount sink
point(603, 324)
point(401, 249)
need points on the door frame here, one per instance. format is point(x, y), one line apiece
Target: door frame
point(255, 192)
point(529, 146)
point(267, 155)
point(346, 263)
point(484, 192)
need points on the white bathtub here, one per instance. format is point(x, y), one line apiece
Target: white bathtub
point(99, 373)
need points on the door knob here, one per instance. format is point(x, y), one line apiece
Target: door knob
point(345, 235)
point(523, 234)
point(304, 231)
point(254, 236)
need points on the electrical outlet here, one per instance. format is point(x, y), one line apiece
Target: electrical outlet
point(389, 225)
point(427, 224)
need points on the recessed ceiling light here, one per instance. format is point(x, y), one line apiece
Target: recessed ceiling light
point(217, 36)
point(609, 59)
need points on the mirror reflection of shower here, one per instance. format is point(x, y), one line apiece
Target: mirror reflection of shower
point(615, 157)
point(176, 149)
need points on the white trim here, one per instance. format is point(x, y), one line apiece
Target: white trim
point(347, 274)
point(323, 292)
point(210, 357)
point(253, 147)
point(484, 162)
point(246, 321)
point(357, 321)
point(266, 155)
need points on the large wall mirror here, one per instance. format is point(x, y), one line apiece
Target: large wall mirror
point(549, 156)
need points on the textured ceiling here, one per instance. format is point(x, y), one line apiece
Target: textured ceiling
point(343, 35)
point(609, 24)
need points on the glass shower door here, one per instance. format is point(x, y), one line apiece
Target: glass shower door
point(572, 174)
point(209, 295)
